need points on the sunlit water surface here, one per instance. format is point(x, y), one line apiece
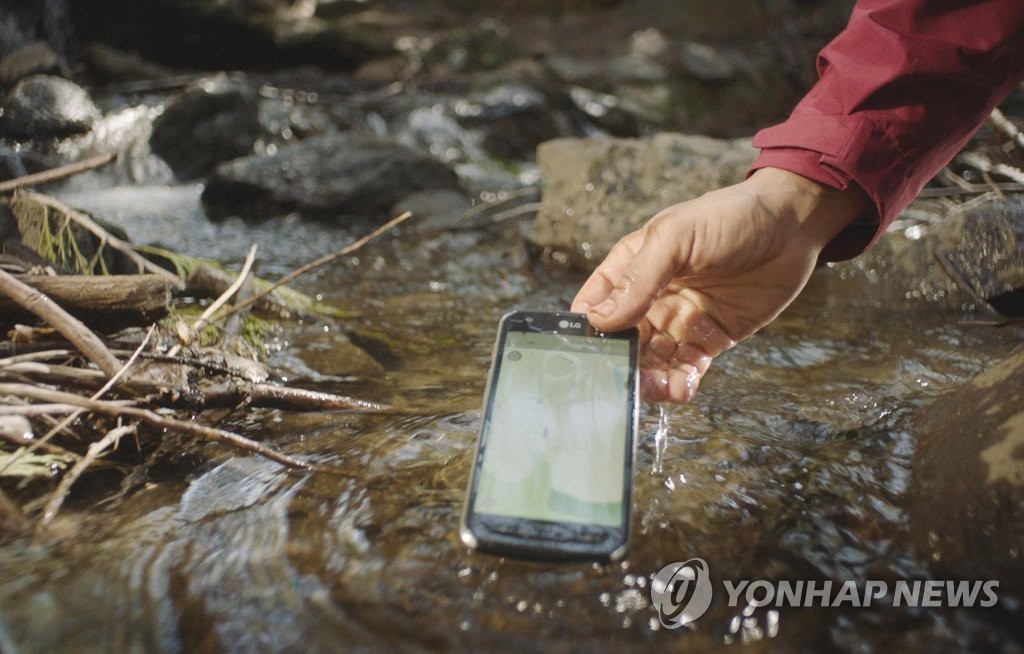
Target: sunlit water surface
point(792, 464)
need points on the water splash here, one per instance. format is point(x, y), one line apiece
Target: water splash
point(661, 437)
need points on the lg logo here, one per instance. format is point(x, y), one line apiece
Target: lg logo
point(565, 324)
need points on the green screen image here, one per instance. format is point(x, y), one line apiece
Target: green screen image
point(556, 443)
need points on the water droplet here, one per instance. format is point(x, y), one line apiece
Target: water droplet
point(772, 620)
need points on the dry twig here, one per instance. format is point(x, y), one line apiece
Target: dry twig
point(54, 174)
point(189, 334)
point(1004, 125)
point(72, 475)
point(153, 419)
point(985, 165)
point(322, 261)
point(106, 387)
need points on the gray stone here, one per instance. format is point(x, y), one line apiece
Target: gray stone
point(970, 255)
point(596, 191)
point(335, 176)
point(966, 505)
point(32, 59)
point(604, 111)
point(705, 63)
point(513, 118)
point(112, 63)
point(213, 120)
point(45, 106)
point(434, 210)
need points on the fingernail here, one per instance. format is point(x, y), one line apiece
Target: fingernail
point(604, 308)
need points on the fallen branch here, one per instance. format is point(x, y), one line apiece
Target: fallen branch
point(43, 355)
point(282, 397)
point(48, 409)
point(970, 189)
point(153, 419)
point(104, 301)
point(69, 327)
point(205, 281)
point(208, 395)
point(54, 174)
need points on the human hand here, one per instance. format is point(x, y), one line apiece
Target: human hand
point(702, 275)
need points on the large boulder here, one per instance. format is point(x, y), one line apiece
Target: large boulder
point(334, 176)
point(966, 504)
point(44, 106)
point(596, 191)
point(213, 120)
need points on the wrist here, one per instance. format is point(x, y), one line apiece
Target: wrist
point(817, 211)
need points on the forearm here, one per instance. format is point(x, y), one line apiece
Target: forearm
point(816, 211)
point(900, 92)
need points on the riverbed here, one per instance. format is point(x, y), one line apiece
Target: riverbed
point(791, 464)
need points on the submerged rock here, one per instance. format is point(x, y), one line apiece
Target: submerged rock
point(43, 106)
point(970, 256)
point(596, 191)
point(213, 120)
point(337, 176)
point(967, 492)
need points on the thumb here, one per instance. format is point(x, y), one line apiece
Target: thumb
point(627, 282)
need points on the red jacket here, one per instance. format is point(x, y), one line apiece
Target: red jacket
point(900, 91)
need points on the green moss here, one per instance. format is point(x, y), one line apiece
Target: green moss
point(185, 265)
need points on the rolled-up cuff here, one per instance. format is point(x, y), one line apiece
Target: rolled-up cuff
point(860, 233)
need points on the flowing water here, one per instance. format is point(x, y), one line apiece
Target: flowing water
point(791, 464)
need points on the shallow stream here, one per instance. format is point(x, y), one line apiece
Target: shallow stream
point(791, 464)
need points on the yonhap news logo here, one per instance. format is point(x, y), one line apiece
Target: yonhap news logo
point(681, 592)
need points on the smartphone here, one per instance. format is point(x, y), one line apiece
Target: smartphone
point(552, 476)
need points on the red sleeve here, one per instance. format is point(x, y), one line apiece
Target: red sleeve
point(900, 91)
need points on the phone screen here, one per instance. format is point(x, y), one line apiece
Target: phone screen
point(559, 428)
